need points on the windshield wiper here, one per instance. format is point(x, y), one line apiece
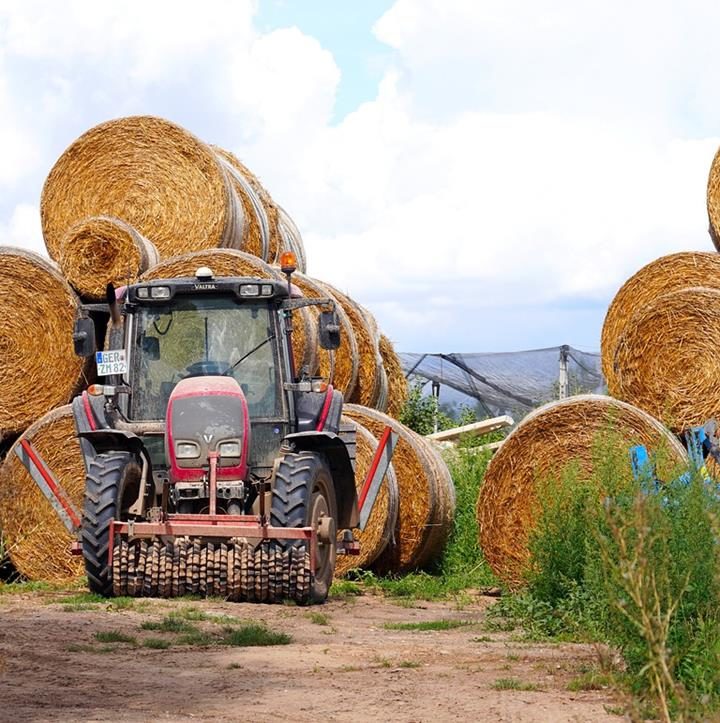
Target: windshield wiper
point(245, 356)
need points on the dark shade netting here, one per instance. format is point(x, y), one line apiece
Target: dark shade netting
point(506, 382)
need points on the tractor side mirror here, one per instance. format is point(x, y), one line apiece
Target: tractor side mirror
point(329, 330)
point(84, 337)
point(151, 347)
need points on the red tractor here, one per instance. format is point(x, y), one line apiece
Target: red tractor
point(213, 468)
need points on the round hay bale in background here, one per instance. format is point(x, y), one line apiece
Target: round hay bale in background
point(368, 379)
point(381, 523)
point(539, 449)
point(38, 367)
point(379, 398)
point(668, 273)
point(397, 383)
point(291, 238)
point(228, 262)
point(667, 361)
point(151, 173)
point(340, 366)
point(37, 542)
point(420, 507)
point(713, 200)
point(269, 209)
point(101, 249)
point(255, 230)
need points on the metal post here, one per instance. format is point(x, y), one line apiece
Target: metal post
point(436, 396)
point(563, 374)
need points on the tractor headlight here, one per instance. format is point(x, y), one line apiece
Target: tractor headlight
point(187, 450)
point(159, 292)
point(229, 449)
point(249, 290)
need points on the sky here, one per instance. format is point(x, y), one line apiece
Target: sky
point(483, 175)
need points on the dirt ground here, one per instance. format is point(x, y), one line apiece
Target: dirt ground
point(343, 664)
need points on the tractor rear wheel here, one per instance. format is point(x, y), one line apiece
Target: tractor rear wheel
point(112, 477)
point(303, 495)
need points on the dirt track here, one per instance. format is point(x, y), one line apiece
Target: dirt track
point(343, 664)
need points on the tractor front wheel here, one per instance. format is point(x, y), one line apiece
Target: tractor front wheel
point(304, 496)
point(110, 477)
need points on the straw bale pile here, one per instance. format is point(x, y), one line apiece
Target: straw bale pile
point(713, 200)
point(666, 274)
point(102, 249)
point(667, 360)
point(291, 238)
point(269, 208)
point(539, 449)
point(38, 368)
point(37, 542)
point(397, 391)
point(427, 495)
point(339, 366)
point(255, 231)
point(368, 380)
point(228, 262)
point(152, 174)
point(381, 523)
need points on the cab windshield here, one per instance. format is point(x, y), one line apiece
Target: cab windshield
point(200, 336)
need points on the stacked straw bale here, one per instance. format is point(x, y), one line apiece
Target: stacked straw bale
point(228, 262)
point(666, 274)
point(381, 523)
point(369, 362)
point(397, 386)
point(340, 367)
point(38, 367)
point(427, 495)
point(537, 453)
point(269, 214)
point(102, 249)
point(713, 200)
point(667, 360)
point(36, 540)
point(150, 173)
point(291, 238)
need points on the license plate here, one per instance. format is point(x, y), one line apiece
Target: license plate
point(111, 362)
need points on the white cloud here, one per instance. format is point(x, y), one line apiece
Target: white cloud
point(516, 157)
point(23, 229)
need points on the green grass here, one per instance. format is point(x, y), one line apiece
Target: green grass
point(114, 636)
point(318, 618)
point(156, 643)
point(409, 664)
point(171, 623)
point(254, 635)
point(429, 625)
point(592, 680)
point(513, 684)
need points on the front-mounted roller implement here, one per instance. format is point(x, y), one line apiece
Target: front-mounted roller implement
point(213, 468)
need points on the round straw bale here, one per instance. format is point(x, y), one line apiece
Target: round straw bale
point(397, 383)
point(36, 539)
point(38, 368)
point(291, 238)
point(368, 382)
point(667, 361)
point(381, 523)
point(379, 398)
point(102, 249)
point(339, 366)
point(228, 262)
point(151, 173)
point(418, 500)
point(713, 200)
point(255, 229)
point(576, 431)
point(269, 209)
point(666, 274)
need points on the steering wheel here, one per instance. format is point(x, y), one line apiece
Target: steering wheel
point(205, 368)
